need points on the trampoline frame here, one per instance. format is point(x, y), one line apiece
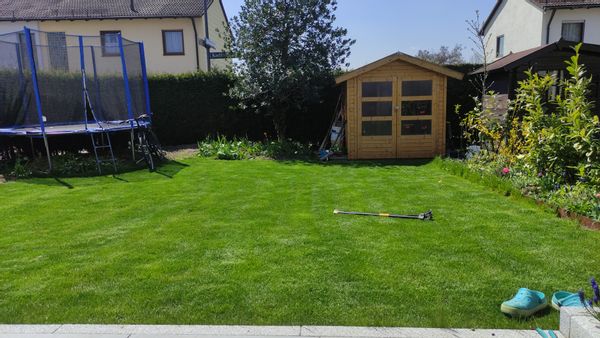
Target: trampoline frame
point(44, 130)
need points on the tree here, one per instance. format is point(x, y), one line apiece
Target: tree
point(288, 51)
point(445, 56)
point(480, 52)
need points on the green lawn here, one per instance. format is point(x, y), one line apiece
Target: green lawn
point(255, 242)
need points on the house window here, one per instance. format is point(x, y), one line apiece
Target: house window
point(573, 31)
point(500, 46)
point(59, 59)
point(23, 51)
point(173, 42)
point(110, 43)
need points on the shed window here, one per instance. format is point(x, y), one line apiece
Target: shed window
point(383, 108)
point(416, 108)
point(417, 88)
point(377, 89)
point(417, 127)
point(377, 128)
point(110, 43)
point(173, 42)
point(500, 46)
point(573, 31)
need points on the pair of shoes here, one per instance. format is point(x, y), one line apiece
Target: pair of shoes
point(525, 303)
point(566, 299)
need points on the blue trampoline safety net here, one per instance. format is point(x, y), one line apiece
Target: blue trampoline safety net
point(52, 79)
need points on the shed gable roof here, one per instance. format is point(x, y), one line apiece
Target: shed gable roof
point(28, 10)
point(400, 57)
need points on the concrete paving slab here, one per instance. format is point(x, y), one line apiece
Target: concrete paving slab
point(384, 332)
point(30, 329)
point(211, 330)
point(237, 331)
point(51, 335)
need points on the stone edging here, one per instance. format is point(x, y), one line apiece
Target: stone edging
point(578, 323)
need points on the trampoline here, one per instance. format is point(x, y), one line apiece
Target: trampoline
point(52, 83)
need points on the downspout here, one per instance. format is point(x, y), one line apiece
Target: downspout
point(206, 33)
point(549, 24)
point(196, 44)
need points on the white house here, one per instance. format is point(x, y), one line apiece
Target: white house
point(173, 31)
point(518, 25)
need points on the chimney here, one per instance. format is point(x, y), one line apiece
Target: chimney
point(132, 6)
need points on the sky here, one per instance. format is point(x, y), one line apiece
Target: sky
point(382, 27)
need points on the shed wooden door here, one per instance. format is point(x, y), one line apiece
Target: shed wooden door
point(418, 113)
point(377, 99)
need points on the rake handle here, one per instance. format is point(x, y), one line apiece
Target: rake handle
point(424, 216)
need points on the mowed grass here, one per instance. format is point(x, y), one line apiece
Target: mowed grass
point(256, 242)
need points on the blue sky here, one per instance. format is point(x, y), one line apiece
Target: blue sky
point(382, 27)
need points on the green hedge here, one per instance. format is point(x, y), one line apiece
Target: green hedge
point(190, 107)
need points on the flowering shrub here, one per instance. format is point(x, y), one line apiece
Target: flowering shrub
point(547, 146)
point(242, 149)
point(593, 302)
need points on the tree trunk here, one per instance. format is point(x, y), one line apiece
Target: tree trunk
point(279, 122)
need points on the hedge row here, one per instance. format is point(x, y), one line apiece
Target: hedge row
point(189, 107)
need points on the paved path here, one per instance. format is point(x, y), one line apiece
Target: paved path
point(203, 331)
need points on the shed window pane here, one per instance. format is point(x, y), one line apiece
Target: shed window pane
point(377, 108)
point(417, 88)
point(377, 89)
point(416, 108)
point(421, 127)
point(377, 128)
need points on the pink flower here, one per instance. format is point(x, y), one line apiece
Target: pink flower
point(505, 171)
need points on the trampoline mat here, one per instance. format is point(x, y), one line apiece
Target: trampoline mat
point(69, 129)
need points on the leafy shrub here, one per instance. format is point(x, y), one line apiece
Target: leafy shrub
point(242, 149)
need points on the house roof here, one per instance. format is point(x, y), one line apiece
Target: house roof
point(27, 10)
point(544, 4)
point(399, 57)
point(515, 60)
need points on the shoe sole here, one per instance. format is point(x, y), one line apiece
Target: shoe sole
point(514, 312)
point(555, 306)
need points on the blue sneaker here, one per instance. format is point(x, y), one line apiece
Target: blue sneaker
point(567, 299)
point(525, 303)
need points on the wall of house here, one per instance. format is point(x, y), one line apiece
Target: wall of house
point(591, 17)
point(520, 21)
point(150, 32)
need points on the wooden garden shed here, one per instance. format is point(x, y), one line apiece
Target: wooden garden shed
point(396, 108)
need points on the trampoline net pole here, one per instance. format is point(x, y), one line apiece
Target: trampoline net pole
point(145, 78)
point(36, 91)
point(126, 81)
point(83, 87)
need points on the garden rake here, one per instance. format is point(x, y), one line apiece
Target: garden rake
point(426, 216)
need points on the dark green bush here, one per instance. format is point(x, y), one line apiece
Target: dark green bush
point(190, 107)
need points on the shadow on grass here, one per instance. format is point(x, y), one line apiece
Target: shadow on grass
point(359, 163)
point(168, 169)
point(171, 168)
